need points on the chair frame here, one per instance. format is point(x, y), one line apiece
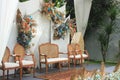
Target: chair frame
point(17, 51)
point(71, 52)
point(49, 55)
point(5, 59)
point(74, 50)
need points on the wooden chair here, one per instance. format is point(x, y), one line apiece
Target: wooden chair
point(84, 53)
point(7, 65)
point(19, 50)
point(72, 54)
point(75, 53)
point(49, 54)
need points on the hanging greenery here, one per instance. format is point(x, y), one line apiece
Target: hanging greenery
point(22, 0)
point(26, 29)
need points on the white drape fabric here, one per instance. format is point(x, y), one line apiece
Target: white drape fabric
point(7, 14)
point(82, 10)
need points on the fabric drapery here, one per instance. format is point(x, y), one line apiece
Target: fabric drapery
point(82, 10)
point(7, 14)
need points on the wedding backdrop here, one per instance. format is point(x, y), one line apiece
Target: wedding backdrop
point(44, 31)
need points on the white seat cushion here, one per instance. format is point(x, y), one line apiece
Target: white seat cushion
point(26, 62)
point(54, 59)
point(84, 55)
point(10, 65)
point(78, 56)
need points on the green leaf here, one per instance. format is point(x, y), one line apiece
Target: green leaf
point(22, 0)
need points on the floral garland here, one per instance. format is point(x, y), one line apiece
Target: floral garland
point(57, 17)
point(26, 29)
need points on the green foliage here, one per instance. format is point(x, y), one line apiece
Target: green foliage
point(58, 3)
point(108, 29)
point(22, 0)
point(97, 13)
point(70, 9)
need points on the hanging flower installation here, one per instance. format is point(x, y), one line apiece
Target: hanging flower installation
point(72, 26)
point(26, 29)
point(50, 11)
point(61, 31)
point(60, 26)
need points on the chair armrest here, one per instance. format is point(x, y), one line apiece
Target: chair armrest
point(3, 65)
point(86, 52)
point(45, 56)
point(33, 58)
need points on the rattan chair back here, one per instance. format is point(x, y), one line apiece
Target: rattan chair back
point(19, 50)
point(51, 50)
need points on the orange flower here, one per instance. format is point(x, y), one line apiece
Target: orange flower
point(23, 24)
point(27, 19)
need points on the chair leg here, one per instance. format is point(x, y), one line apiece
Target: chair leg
point(34, 71)
point(3, 74)
point(74, 63)
point(7, 74)
point(68, 64)
point(15, 73)
point(46, 68)
point(59, 66)
point(82, 62)
point(40, 66)
point(21, 73)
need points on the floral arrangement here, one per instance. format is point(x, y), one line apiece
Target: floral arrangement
point(61, 31)
point(61, 27)
point(50, 11)
point(26, 29)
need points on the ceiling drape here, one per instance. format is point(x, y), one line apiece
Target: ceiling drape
point(82, 10)
point(7, 14)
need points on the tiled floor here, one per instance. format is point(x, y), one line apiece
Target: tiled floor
point(89, 66)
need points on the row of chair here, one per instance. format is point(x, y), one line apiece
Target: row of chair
point(19, 63)
point(48, 54)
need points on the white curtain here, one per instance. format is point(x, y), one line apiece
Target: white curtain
point(82, 10)
point(7, 13)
